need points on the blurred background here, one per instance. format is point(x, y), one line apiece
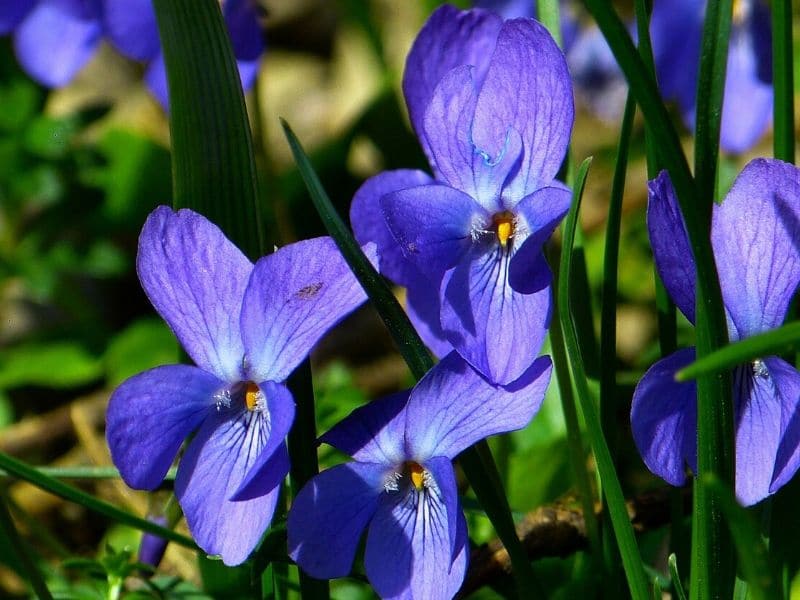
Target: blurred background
point(80, 168)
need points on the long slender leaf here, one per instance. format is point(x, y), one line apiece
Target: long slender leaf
point(547, 11)
point(35, 577)
point(623, 530)
point(58, 488)
point(763, 582)
point(777, 341)
point(783, 80)
point(476, 461)
point(713, 572)
point(212, 151)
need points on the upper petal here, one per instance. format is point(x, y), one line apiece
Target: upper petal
point(195, 277)
point(432, 224)
point(295, 295)
point(528, 90)
point(786, 384)
point(498, 330)
point(369, 225)
point(329, 514)
point(131, 26)
point(56, 39)
point(456, 158)
point(156, 79)
point(151, 414)
point(664, 419)
point(210, 473)
point(450, 38)
point(755, 233)
point(373, 432)
point(758, 430)
point(409, 552)
point(453, 407)
point(671, 251)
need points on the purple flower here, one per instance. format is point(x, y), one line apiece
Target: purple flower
point(53, 39)
point(599, 82)
point(131, 27)
point(152, 546)
point(754, 235)
point(246, 327)
point(402, 487)
point(491, 103)
point(676, 29)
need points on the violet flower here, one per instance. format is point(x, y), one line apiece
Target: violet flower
point(153, 547)
point(131, 27)
point(246, 327)
point(491, 103)
point(755, 236)
point(53, 39)
point(402, 487)
point(677, 27)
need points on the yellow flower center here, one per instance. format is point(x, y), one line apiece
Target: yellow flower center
point(253, 398)
point(504, 226)
point(417, 474)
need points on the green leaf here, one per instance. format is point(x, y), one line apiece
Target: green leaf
point(212, 150)
point(675, 577)
point(623, 530)
point(62, 490)
point(55, 365)
point(763, 582)
point(777, 341)
point(783, 80)
point(142, 345)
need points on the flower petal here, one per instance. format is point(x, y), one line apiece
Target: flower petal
point(373, 432)
point(422, 305)
point(210, 473)
point(11, 13)
point(747, 110)
point(409, 552)
point(131, 26)
point(432, 224)
point(527, 89)
point(241, 19)
point(758, 432)
point(755, 233)
point(295, 295)
point(448, 133)
point(56, 39)
point(498, 330)
point(329, 514)
point(786, 384)
point(280, 410)
point(671, 251)
point(369, 225)
point(156, 79)
point(195, 277)
point(151, 414)
point(453, 407)
point(664, 419)
point(449, 39)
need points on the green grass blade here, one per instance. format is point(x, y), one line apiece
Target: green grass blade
point(212, 150)
point(783, 80)
point(67, 492)
point(762, 580)
point(608, 309)
point(476, 461)
point(713, 571)
point(547, 12)
point(777, 341)
point(304, 463)
point(35, 577)
point(675, 576)
point(623, 530)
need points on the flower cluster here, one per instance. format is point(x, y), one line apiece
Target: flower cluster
point(54, 39)
point(491, 102)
